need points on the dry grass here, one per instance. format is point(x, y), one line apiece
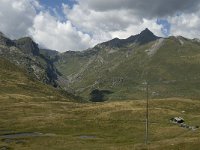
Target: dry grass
point(116, 125)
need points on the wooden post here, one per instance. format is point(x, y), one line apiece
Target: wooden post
point(147, 114)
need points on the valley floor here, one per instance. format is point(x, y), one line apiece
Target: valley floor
point(46, 124)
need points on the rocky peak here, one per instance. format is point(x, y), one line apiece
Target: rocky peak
point(5, 41)
point(144, 37)
point(147, 32)
point(27, 45)
point(1, 34)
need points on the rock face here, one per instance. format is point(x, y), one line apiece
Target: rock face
point(26, 54)
point(28, 46)
point(6, 41)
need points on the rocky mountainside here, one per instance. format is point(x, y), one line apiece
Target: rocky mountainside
point(118, 69)
point(15, 80)
point(25, 53)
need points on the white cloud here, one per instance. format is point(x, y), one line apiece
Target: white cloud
point(92, 21)
point(16, 17)
point(109, 19)
point(51, 33)
point(137, 28)
point(187, 25)
point(105, 25)
point(149, 9)
point(20, 18)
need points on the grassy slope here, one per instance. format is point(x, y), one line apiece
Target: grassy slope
point(182, 66)
point(30, 59)
point(172, 71)
point(14, 82)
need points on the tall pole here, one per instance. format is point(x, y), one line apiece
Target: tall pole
point(147, 113)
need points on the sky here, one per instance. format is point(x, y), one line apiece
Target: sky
point(76, 25)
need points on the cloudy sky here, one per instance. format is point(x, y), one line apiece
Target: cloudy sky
point(79, 24)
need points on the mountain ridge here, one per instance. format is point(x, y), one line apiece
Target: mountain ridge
point(121, 69)
point(142, 38)
point(115, 69)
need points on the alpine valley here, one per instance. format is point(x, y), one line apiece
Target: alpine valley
point(96, 98)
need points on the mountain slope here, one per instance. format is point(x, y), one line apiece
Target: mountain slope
point(25, 53)
point(120, 67)
point(16, 82)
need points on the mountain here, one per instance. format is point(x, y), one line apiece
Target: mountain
point(25, 53)
point(28, 46)
point(144, 37)
point(117, 69)
point(16, 83)
point(5, 41)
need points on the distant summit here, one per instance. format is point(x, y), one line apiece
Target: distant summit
point(147, 32)
point(144, 37)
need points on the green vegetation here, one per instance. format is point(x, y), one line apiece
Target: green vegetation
point(171, 66)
